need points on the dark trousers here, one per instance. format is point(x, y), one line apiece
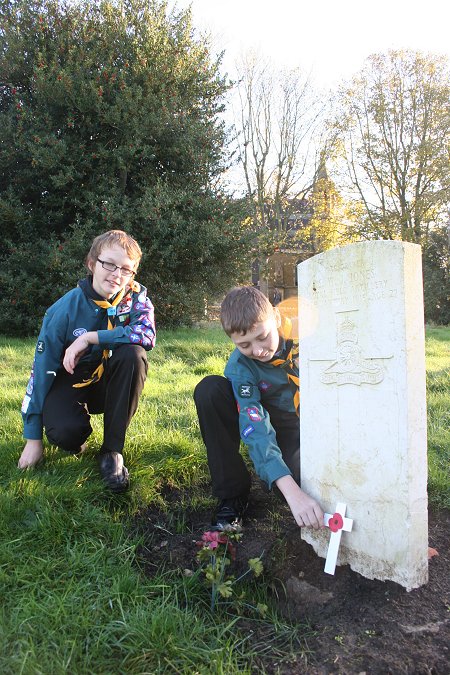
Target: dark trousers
point(219, 425)
point(67, 410)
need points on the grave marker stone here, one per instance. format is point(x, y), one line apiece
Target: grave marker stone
point(363, 406)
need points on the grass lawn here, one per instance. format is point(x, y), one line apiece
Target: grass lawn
point(74, 598)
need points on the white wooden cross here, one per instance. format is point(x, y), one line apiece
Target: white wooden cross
point(337, 523)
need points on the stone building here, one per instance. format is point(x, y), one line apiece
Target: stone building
point(279, 275)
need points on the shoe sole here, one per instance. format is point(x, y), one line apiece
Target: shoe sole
point(235, 526)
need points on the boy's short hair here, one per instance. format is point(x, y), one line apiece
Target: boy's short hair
point(242, 308)
point(114, 238)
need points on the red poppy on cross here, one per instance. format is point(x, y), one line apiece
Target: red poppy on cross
point(337, 524)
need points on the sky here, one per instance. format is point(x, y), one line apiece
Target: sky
point(329, 39)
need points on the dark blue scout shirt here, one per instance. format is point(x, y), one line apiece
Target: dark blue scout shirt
point(255, 383)
point(72, 315)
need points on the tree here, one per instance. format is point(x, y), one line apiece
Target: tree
point(436, 266)
point(109, 117)
point(394, 125)
point(277, 115)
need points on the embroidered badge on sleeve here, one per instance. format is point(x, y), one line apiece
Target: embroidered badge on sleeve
point(245, 390)
point(25, 403)
point(247, 431)
point(253, 414)
point(135, 338)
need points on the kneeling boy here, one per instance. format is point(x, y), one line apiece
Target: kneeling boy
point(256, 401)
point(91, 358)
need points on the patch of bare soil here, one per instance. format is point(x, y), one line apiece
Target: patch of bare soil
point(359, 625)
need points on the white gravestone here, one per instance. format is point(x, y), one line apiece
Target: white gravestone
point(363, 405)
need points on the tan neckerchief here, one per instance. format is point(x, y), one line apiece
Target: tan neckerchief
point(288, 360)
point(98, 372)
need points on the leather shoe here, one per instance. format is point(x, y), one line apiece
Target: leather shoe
point(230, 513)
point(113, 471)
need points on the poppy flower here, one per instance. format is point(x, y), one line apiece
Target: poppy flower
point(336, 522)
point(213, 539)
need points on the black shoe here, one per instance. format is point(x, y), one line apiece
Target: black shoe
point(229, 513)
point(113, 471)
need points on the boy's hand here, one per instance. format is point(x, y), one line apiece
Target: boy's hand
point(76, 350)
point(31, 454)
point(305, 509)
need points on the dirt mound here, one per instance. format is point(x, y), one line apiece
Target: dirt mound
point(360, 625)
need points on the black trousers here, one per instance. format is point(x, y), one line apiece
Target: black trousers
point(219, 425)
point(67, 410)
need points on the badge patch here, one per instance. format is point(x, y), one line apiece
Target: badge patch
point(25, 403)
point(248, 430)
point(245, 390)
point(253, 414)
point(135, 338)
point(124, 305)
point(30, 384)
point(111, 311)
point(40, 346)
point(79, 331)
point(264, 386)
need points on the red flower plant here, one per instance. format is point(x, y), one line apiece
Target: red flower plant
point(336, 522)
point(212, 539)
point(215, 554)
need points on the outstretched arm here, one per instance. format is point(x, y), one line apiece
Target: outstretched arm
point(305, 509)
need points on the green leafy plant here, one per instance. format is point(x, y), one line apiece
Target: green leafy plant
point(217, 550)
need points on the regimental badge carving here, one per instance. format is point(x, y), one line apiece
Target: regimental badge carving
point(350, 366)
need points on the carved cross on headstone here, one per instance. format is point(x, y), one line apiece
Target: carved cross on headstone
point(337, 524)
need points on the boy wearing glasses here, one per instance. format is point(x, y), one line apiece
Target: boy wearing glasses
point(91, 358)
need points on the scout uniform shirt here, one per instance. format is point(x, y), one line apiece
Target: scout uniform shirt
point(72, 315)
point(255, 383)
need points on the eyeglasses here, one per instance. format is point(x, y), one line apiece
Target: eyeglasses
point(110, 267)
